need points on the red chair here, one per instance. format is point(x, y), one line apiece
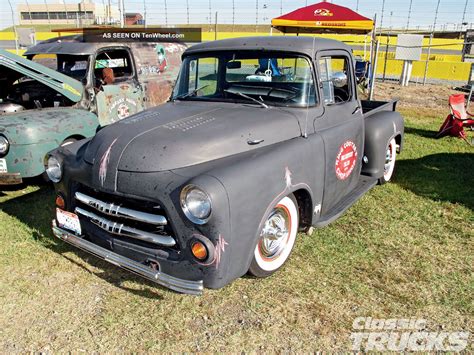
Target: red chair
point(457, 119)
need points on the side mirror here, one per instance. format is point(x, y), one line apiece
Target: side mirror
point(235, 64)
point(339, 79)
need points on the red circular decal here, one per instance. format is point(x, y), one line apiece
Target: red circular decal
point(346, 160)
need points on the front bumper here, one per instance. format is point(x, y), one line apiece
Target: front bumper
point(173, 283)
point(10, 179)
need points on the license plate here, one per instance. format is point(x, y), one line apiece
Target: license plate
point(3, 166)
point(68, 221)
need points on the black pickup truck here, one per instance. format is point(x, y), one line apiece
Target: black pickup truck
point(262, 137)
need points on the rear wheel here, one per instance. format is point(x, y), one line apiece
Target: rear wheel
point(389, 165)
point(276, 238)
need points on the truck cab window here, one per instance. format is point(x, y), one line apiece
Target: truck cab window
point(112, 66)
point(334, 78)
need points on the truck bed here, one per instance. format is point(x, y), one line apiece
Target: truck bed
point(370, 107)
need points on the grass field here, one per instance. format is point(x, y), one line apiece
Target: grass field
point(404, 250)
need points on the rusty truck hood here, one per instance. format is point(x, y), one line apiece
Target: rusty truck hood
point(182, 134)
point(63, 84)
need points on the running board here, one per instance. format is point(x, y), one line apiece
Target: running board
point(364, 185)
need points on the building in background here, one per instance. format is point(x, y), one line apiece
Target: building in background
point(59, 13)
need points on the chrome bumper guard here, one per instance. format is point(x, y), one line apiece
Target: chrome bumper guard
point(173, 283)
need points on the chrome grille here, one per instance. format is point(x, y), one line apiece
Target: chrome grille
point(125, 222)
point(119, 211)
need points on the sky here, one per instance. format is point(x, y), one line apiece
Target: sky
point(395, 12)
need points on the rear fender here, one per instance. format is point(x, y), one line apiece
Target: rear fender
point(380, 128)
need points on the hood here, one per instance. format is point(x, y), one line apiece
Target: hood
point(65, 85)
point(182, 134)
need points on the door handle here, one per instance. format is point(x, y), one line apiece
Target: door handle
point(356, 110)
point(254, 141)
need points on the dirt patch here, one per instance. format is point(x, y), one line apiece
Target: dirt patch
point(430, 96)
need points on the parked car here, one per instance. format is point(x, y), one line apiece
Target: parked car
point(67, 89)
point(263, 137)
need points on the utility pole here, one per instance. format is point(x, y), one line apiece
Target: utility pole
point(281, 7)
point(233, 15)
point(166, 14)
point(65, 9)
point(122, 14)
point(144, 14)
point(47, 12)
point(409, 15)
point(431, 40)
point(381, 16)
point(256, 15)
point(29, 11)
point(14, 26)
point(357, 6)
point(187, 10)
point(109, 13)
point(463, 16)
point(215, 27)
point(210, 16)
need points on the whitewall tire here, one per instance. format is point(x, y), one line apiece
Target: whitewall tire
point(276, 238)
point(389, 165)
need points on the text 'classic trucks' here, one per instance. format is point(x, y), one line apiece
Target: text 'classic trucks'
point(263, 137)
point(66, 89)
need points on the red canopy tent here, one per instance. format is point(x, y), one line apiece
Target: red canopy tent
point(323, 17)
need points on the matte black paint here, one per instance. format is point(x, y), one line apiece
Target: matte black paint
point(157, 152)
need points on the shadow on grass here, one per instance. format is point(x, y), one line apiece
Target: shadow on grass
point(421, 132)
point(26, 182)
point(443, 177)
point(35, 210)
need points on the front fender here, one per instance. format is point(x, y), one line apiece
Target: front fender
point(256, 182)
point(380, 128)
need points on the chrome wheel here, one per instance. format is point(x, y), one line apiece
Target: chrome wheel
point(276, 238)
point(274, 235)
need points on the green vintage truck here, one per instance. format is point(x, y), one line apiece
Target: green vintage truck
point(66, 89)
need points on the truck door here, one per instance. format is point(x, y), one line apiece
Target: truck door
point(341, 126)
point(118, 92)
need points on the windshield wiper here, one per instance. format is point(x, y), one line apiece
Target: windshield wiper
point(191, 93)
point(261, 103)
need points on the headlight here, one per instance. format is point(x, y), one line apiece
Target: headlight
point(54, 169)
point(4, 145)
point(196, 204)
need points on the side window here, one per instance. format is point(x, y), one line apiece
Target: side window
point(334, 78)
point(203, 76)
point(113, 65)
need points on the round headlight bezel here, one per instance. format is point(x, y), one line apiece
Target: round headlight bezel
point(54, 169)
point(6, 143)
point(190, 211)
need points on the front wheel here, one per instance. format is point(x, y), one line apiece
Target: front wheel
point(276, 238)
point(389, 166)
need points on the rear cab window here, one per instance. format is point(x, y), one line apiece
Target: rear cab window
point(119, 62)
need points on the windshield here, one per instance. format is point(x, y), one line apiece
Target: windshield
point(74, 66)
point(266, 78)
